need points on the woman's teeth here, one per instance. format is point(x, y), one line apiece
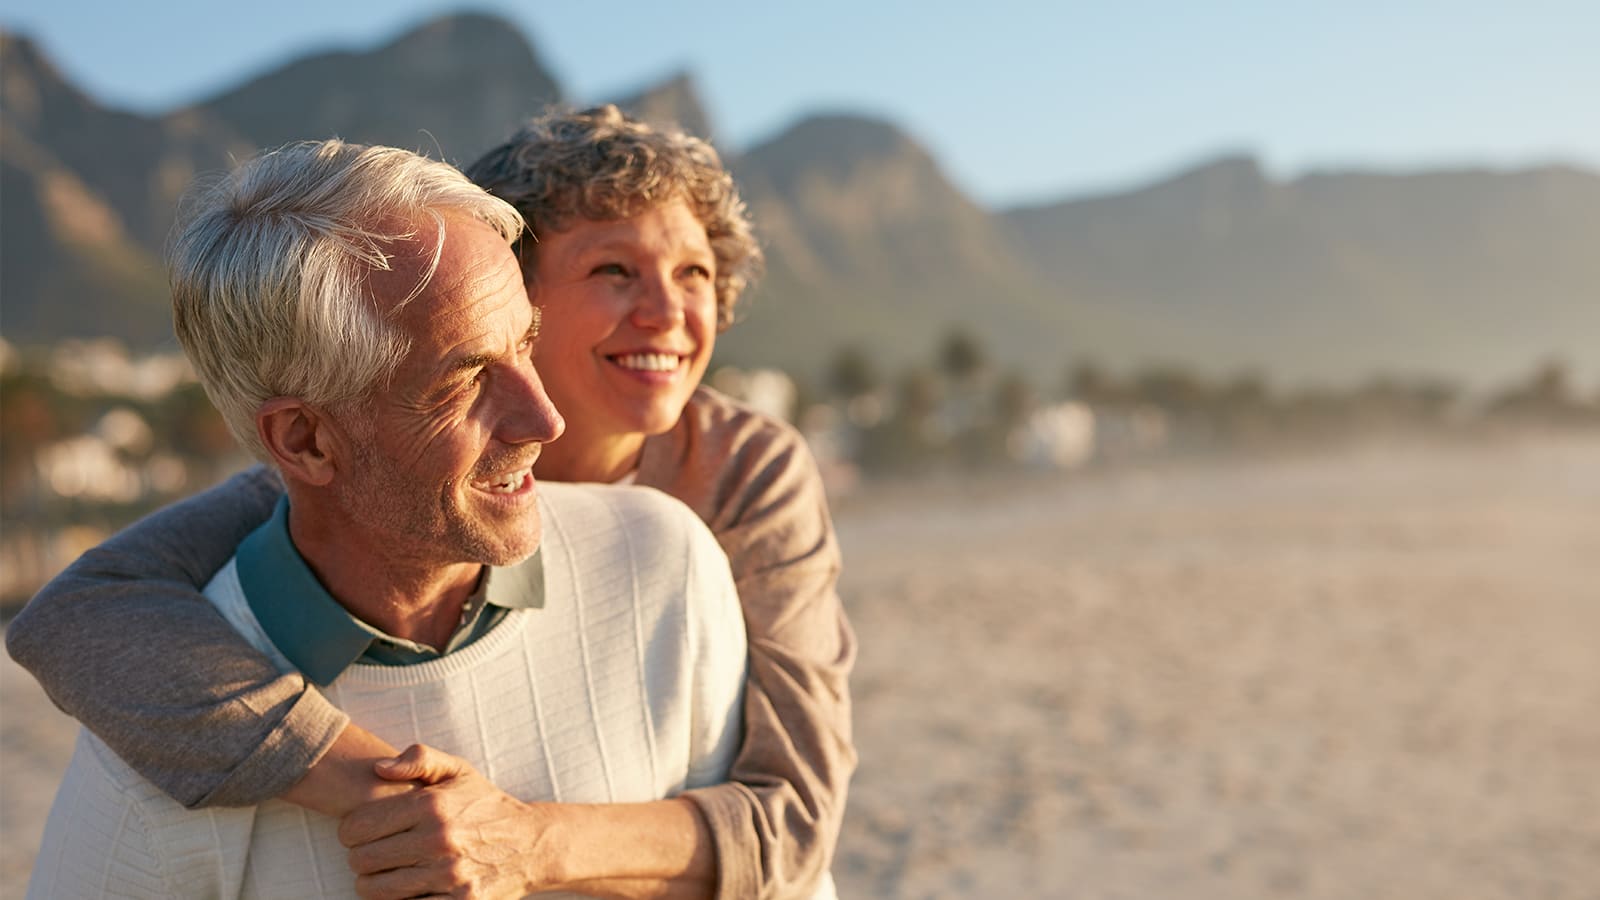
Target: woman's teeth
point(649, 362)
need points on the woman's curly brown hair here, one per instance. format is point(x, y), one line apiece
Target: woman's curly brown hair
point(601, 165)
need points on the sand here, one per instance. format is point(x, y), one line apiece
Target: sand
point(1375, 675)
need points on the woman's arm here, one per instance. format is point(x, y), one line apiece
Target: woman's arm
point(776, 822)
point(789, 782)
point(124, 641)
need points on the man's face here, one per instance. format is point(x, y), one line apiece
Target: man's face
point(629, 315)
point(443, 458)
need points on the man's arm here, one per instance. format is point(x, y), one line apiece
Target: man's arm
point(124, 641)
point(460, 832)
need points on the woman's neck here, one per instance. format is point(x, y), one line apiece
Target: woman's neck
point(580, 457)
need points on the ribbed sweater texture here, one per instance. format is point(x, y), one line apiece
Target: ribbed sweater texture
point(626, 686)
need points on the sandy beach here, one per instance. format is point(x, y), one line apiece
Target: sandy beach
point(1372, 674)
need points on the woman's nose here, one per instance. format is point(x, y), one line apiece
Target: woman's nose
point(659, 304)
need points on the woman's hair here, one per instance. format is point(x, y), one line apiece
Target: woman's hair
point(602, 166)
point(269, 269)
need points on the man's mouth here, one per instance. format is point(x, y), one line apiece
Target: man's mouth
point(648, 362)
point(508, 482)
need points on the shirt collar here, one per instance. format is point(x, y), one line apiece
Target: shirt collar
point(310, 628)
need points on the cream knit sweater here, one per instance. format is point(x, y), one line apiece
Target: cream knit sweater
point(625, 686)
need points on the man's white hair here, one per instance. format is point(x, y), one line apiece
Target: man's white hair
point(270, 264)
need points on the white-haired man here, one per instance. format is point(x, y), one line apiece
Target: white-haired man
point(358, 317)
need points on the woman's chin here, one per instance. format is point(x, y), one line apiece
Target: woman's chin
point(657, 417)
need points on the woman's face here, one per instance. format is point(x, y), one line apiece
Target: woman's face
point(628, 320)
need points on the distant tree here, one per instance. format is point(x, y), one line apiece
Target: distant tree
point(1247, 390)
point(1087, 383)
point(1243, 409)
point(1551, 386)
point(911, 439)
point(961, 355)
point(1014, 401)
point(852, 374)
point(1545, 394)
point(919, 395)
point(1173, 389)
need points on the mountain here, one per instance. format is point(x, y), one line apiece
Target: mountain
point(88, 195)
point(1220, 267)
point(1465, 272)
point(675, 101)
point(871, 245)
point(451, 89)
point(138, 165)
point(65, 246)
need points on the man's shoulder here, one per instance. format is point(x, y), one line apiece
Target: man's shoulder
point(610, 513)
point(592, 504)
point(593, 525)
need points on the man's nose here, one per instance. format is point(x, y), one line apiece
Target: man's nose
point(659, 303)
point(528, 415)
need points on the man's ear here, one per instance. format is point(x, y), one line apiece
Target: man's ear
point(300, 439)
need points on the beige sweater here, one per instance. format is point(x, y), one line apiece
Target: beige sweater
point(628, 677)
point(226, 729)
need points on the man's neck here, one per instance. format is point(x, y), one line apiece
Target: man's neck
point(401, 597)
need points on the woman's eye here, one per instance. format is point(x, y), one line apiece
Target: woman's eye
point(610, 269)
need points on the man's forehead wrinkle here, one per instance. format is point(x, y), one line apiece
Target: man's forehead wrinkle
point(411, 254)
point(472, 359)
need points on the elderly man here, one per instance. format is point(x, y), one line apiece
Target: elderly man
point(358, 317)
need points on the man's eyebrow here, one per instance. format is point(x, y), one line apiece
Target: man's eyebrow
point(472, 361)
point(479, 360)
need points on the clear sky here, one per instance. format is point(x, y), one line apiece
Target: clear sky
point(1018, 101)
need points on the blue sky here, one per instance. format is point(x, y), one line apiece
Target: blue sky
point(1018, 101)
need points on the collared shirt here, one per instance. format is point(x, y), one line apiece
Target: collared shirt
point(321, 638)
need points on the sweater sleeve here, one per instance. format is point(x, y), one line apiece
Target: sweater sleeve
point(777, 820)
point(124, 641)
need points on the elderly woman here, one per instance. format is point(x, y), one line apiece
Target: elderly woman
point(639, 247)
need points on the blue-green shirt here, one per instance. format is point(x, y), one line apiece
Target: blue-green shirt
point(321, 638)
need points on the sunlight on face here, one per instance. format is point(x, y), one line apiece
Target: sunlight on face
point(629, 320)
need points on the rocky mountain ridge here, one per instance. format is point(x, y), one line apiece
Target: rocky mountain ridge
point(1220, 268)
